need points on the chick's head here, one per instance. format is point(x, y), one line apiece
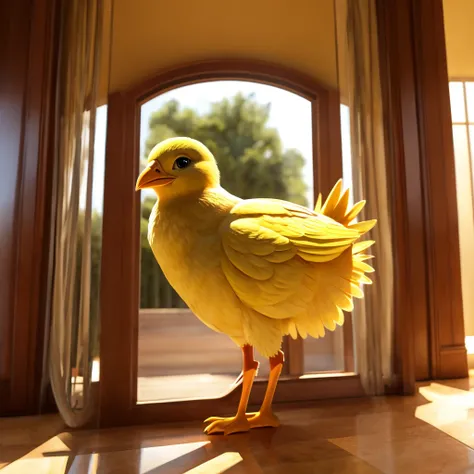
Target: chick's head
point(177, 167)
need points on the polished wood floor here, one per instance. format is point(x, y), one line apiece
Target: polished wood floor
point(430, 433)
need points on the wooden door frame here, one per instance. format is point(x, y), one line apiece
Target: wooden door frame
point(429, 326)
point(28, 50)
point(120, 256)
point(448, 352)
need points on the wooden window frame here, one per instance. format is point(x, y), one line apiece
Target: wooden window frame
point(429, 325)
point(121, 260)
point(29, 48)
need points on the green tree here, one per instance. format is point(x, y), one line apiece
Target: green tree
point(251, 160)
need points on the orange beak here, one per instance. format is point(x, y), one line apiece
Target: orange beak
point(152, 176)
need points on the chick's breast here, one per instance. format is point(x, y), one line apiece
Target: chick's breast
point(187, 246)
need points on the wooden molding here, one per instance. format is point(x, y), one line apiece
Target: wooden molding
point(439, 186)
point(428, 304)
point(228, 69)
point(119, 263)
point(452, 362)
point(397, 81)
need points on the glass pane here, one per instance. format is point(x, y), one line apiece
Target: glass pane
point(346, 149)
point(327, 354)
point(471, 139)
point(95, 242)
point(262, 151)
point(470, 101)
point(458, 109)
point(461, 147)
point(96, 231)
point(179, 357)
point(462, 167)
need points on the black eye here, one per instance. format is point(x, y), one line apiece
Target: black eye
point(181, 162)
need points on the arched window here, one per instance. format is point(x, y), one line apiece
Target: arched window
point(147, 332)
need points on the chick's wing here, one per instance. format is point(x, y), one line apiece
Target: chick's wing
point(288, 262)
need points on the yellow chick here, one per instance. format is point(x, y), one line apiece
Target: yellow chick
point(255, 269)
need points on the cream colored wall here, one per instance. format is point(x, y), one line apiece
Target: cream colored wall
point(149, 35)
point(459, 30)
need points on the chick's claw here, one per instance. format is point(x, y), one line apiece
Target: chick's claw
point(264, 419)
point(216, 418)
point(227, 426)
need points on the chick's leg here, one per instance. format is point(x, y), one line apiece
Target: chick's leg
point(239, 422)
point(265, 417)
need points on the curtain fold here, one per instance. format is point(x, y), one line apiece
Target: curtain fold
point(361, 90)
point(72, 331)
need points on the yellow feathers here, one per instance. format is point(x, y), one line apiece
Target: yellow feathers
point(254, 269)
point(289, 263)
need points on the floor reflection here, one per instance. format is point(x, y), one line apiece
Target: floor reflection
point(450, 410)
point(221, 463)
point(359, 436)
point(152, 460)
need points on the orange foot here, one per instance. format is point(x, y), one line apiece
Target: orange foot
point(233, 424)
point(263, 419)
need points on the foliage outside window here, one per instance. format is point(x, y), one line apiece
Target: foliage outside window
point(251, 158)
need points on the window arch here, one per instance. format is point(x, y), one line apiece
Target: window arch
point(325, 102)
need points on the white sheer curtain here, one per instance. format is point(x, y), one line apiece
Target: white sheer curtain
point(361, 91)
point(73, 329)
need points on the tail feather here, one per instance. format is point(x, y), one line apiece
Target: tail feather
point(337, 207)
point(359, 265)
point(339, 280)
point(331, 206)
point(361, 246)
point(355, 211)
point(363, 227)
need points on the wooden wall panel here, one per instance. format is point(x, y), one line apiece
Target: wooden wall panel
point(14, 64)
point(26, 88)
point(448, 352)
point(429, 330)
point(400, 117)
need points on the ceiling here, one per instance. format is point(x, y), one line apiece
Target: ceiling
point(150, 35)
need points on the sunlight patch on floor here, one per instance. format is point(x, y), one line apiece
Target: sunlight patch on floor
point(56, 465)
point(450, 410)
point(49, 457)
point(52, 458)
point(219, 464)
point(156, 456)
